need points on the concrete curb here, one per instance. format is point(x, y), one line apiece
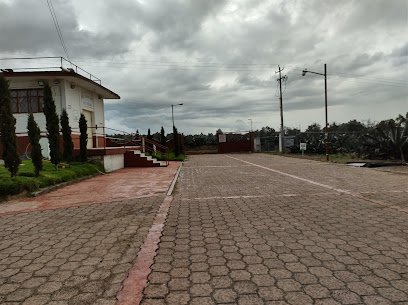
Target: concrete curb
point(61, 185)
point(170, 191)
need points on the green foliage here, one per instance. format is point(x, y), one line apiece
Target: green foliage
point(200, 140)
point(162, 137)
point(8, 129)
point(176, 142)
point(52, 123)
point(172, 156)
point(34, 134)
point(25, 181)
point(66, 135)
point(83, 139)
point(389, 139)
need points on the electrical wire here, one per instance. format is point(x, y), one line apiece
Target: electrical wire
point(57, 27)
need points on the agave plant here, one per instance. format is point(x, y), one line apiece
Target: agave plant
point(390, 139)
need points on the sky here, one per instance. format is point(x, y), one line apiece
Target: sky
point(219, 58)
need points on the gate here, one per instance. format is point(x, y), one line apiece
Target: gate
point(235, 142)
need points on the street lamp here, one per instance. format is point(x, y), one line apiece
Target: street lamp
point(251, 123)
point(172, 113)
point(325, 106)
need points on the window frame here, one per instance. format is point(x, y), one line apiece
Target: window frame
point(16, 100)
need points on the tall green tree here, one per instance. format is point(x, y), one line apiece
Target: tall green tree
point(66, 135)
point(83, 138)
point(162, 137)
point(34, 134)
point(176, 142)
point(149, 137)
point(52, 123)
point(8, 129)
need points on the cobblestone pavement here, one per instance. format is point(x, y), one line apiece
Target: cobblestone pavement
point(260, 229)
point(71, 256)
point(77, 246)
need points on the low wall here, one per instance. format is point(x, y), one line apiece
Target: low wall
point(110, 162)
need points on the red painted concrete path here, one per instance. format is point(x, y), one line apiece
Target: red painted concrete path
point(132, 292)
point(119, 185)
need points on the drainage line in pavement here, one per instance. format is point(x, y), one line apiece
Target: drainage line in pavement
point(133, 286)
point(132, 291)
point(170, 191)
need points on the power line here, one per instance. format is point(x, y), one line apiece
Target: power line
point(57, 27)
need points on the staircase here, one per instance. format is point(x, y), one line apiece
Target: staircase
point(135, 158)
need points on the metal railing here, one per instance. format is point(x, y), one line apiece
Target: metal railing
point(127, 140)
point(124, 139)
point(61, 60)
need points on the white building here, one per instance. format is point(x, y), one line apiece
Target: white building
point(72, 91)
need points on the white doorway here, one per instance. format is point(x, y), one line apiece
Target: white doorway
point(89, 123)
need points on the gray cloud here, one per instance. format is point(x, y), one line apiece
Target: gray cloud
point(219, 58)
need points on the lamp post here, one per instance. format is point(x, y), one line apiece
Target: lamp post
point(172, 113)
point(325, 106)
point(251, 123)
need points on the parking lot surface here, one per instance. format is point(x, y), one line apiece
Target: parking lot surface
point(238, 229)
point(261, 229)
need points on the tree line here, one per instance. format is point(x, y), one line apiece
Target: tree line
point(387, 139)
point(8, 135)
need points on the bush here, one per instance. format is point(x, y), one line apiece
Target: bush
point(26, 180)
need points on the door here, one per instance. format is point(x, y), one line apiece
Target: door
point(89, 123)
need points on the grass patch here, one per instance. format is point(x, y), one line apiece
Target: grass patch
point(172, 156)
point(25, 181)
point(338, 158)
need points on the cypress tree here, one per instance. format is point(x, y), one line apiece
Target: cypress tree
point(52, 123)
point(83, 138)
point(34, 135)
point(162, 137)
point(176, 142)
point(149, 137)
point(8, 129)
point(66, 135)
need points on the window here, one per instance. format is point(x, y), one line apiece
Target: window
point(27, 100)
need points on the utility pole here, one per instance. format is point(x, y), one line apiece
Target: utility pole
point(172, 113)
point(251, 123)
point(325, 106)
point(281, 135)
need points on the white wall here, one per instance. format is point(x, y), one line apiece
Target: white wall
point(78, 99)
point(21, 118)
point(66, 95)
point(113, 162)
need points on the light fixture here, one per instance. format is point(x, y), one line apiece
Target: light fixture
point(56, 81)
point(40, 83)
point(72, 86)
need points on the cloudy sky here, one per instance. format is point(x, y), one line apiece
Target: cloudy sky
point(219, 58)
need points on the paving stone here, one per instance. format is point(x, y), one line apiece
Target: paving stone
point(200, 290)
point(177, 298)
point(235, 233)
point(224, 295)
point(179, 284)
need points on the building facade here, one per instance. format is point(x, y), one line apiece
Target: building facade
point(72, 91)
